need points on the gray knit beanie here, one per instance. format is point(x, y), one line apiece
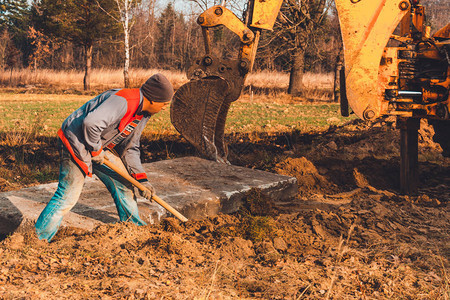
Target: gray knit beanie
point(157, 88)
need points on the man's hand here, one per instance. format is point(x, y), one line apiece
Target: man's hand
point(99, 159)
point(149, 192)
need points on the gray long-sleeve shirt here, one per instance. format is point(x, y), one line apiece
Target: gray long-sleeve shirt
point(99, 121)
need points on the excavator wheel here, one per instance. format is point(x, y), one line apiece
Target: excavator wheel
point(198, 112)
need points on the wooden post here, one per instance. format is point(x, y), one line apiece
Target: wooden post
point(409, 153)
point(337, 79)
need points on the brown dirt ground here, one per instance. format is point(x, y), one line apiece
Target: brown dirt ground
point(348, 235)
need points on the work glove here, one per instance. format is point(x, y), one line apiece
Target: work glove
point(148, 193)
point(99, 159)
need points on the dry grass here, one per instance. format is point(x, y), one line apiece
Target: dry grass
point(274, 85)
point(317, 86)
point(23, 132)
point(280, 80)
point(6, 98)
point(268, 79)
point(73, 79)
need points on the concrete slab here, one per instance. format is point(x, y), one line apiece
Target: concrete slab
point(195, 187)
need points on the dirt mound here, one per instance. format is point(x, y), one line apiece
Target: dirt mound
point(308, 178)
point(349, 234)
point(372, 246)
point(5, 185)
point(360, 140)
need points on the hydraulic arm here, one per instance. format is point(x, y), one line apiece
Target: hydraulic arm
point(199, 108)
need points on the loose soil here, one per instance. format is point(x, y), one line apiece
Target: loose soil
point(349, 234)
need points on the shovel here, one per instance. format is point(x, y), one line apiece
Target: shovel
point(141, 187)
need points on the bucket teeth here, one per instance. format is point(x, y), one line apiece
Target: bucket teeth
point(198, 112)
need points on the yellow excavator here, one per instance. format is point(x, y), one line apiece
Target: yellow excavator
point(406, 74)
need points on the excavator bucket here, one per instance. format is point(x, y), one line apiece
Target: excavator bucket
point(198, 111)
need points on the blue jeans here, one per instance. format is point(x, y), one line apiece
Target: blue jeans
point(71, 181)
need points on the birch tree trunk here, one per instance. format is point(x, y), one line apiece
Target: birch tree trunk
point(126, 30)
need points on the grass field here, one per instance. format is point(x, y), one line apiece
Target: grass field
point(33, 105)
point(29, 122)
point(43, 115)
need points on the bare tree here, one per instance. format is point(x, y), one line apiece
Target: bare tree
point(126, 10)
point(203, 4)
point(295, 33)
point(142, 36)
point(4, 40)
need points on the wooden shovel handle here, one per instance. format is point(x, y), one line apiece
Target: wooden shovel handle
point(140, 186)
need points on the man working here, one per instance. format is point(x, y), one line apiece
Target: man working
point(108, 126)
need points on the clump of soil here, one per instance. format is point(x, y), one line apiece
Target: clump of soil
point(256, 215)
point(426, 140)
point(254, 202)
point(360, 180)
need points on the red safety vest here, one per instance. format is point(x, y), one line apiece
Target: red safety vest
point(126, 126)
